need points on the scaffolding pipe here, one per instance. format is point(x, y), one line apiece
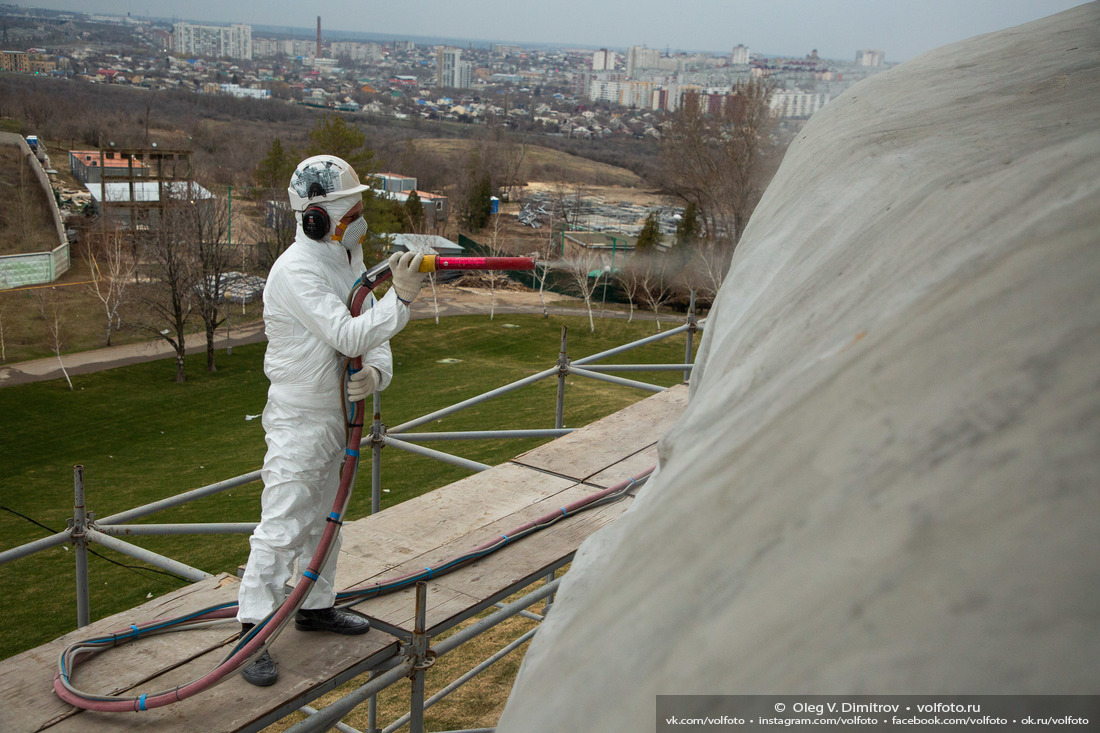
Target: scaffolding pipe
point(342, 727)
point(492, 620)
point(80, 545)
point(632, 345)
point(458, 407)
point(179, 499)
point(376, 457)
point(616, 380)
point(148, 556)
point(563, 369)
point(134, 530)
point(438, 455)
point(690, 335)
point(636, 367)
point(526, 614)
point(30, 548)
point(419, 652)
point(329, 716)
point(480, 435)
point(511, 647)
point(372, 710)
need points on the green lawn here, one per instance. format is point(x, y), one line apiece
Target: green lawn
point(142, 437)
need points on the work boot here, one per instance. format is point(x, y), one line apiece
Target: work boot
point(262, 672)
point(331, 619)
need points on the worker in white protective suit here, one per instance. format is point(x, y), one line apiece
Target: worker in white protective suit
point(311, 335)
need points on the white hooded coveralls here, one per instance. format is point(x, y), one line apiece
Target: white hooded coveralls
point(309, 332)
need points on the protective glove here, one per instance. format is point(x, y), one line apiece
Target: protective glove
point(362, 383)
point(407, 277)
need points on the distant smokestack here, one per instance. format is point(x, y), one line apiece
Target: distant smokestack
point(318, 36)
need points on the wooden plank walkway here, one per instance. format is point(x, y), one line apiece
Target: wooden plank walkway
point(415, 534)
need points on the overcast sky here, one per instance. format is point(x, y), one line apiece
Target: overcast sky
point(836, 28)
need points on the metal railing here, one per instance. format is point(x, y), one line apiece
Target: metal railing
point(84, 528)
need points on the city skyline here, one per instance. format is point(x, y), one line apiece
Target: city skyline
point(835, 28)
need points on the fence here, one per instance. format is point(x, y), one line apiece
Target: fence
point(417, 652)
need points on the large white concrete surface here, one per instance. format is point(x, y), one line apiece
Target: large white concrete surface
point(888, 477)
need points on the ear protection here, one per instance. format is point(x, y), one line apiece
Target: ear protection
point(315, 223)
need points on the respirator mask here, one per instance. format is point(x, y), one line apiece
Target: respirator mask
point(352, 234)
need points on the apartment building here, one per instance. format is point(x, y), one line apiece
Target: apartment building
point(787, 103)
point(18, 61)
point(356, 51)
point(603, 60)
point(870, 57)
point(233, 42)
point(451, 70)
point(640, 57)
point(268, 47)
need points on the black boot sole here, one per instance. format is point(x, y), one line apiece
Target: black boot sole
point(310, 626)
point(260, 681)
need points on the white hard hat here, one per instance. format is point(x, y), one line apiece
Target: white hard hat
point(320, 179)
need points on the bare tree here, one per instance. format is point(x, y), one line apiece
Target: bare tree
point(716, 158)
point(512, 154)
point(568, 201)
point(586, 269)
point(56, 328)
point(496, 249)
point(707, 267)
point(629, 275)
point(112, 273)
point(544, 257)
point(502, 155)
point(168, 295)
point(38, 295)
point(271, 175)
point(208, 225)
point(278, 230)
point(655, 282)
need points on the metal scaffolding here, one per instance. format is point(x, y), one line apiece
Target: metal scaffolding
point(417, 653)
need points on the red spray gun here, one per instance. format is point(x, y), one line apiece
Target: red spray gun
point(434, 263)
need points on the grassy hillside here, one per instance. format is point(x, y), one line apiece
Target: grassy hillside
point(540, 164)
point(26, 223)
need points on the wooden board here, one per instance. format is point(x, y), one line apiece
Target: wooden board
point(408, 530)
point(628, 467)
point(589, 450)
point(498, 572)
